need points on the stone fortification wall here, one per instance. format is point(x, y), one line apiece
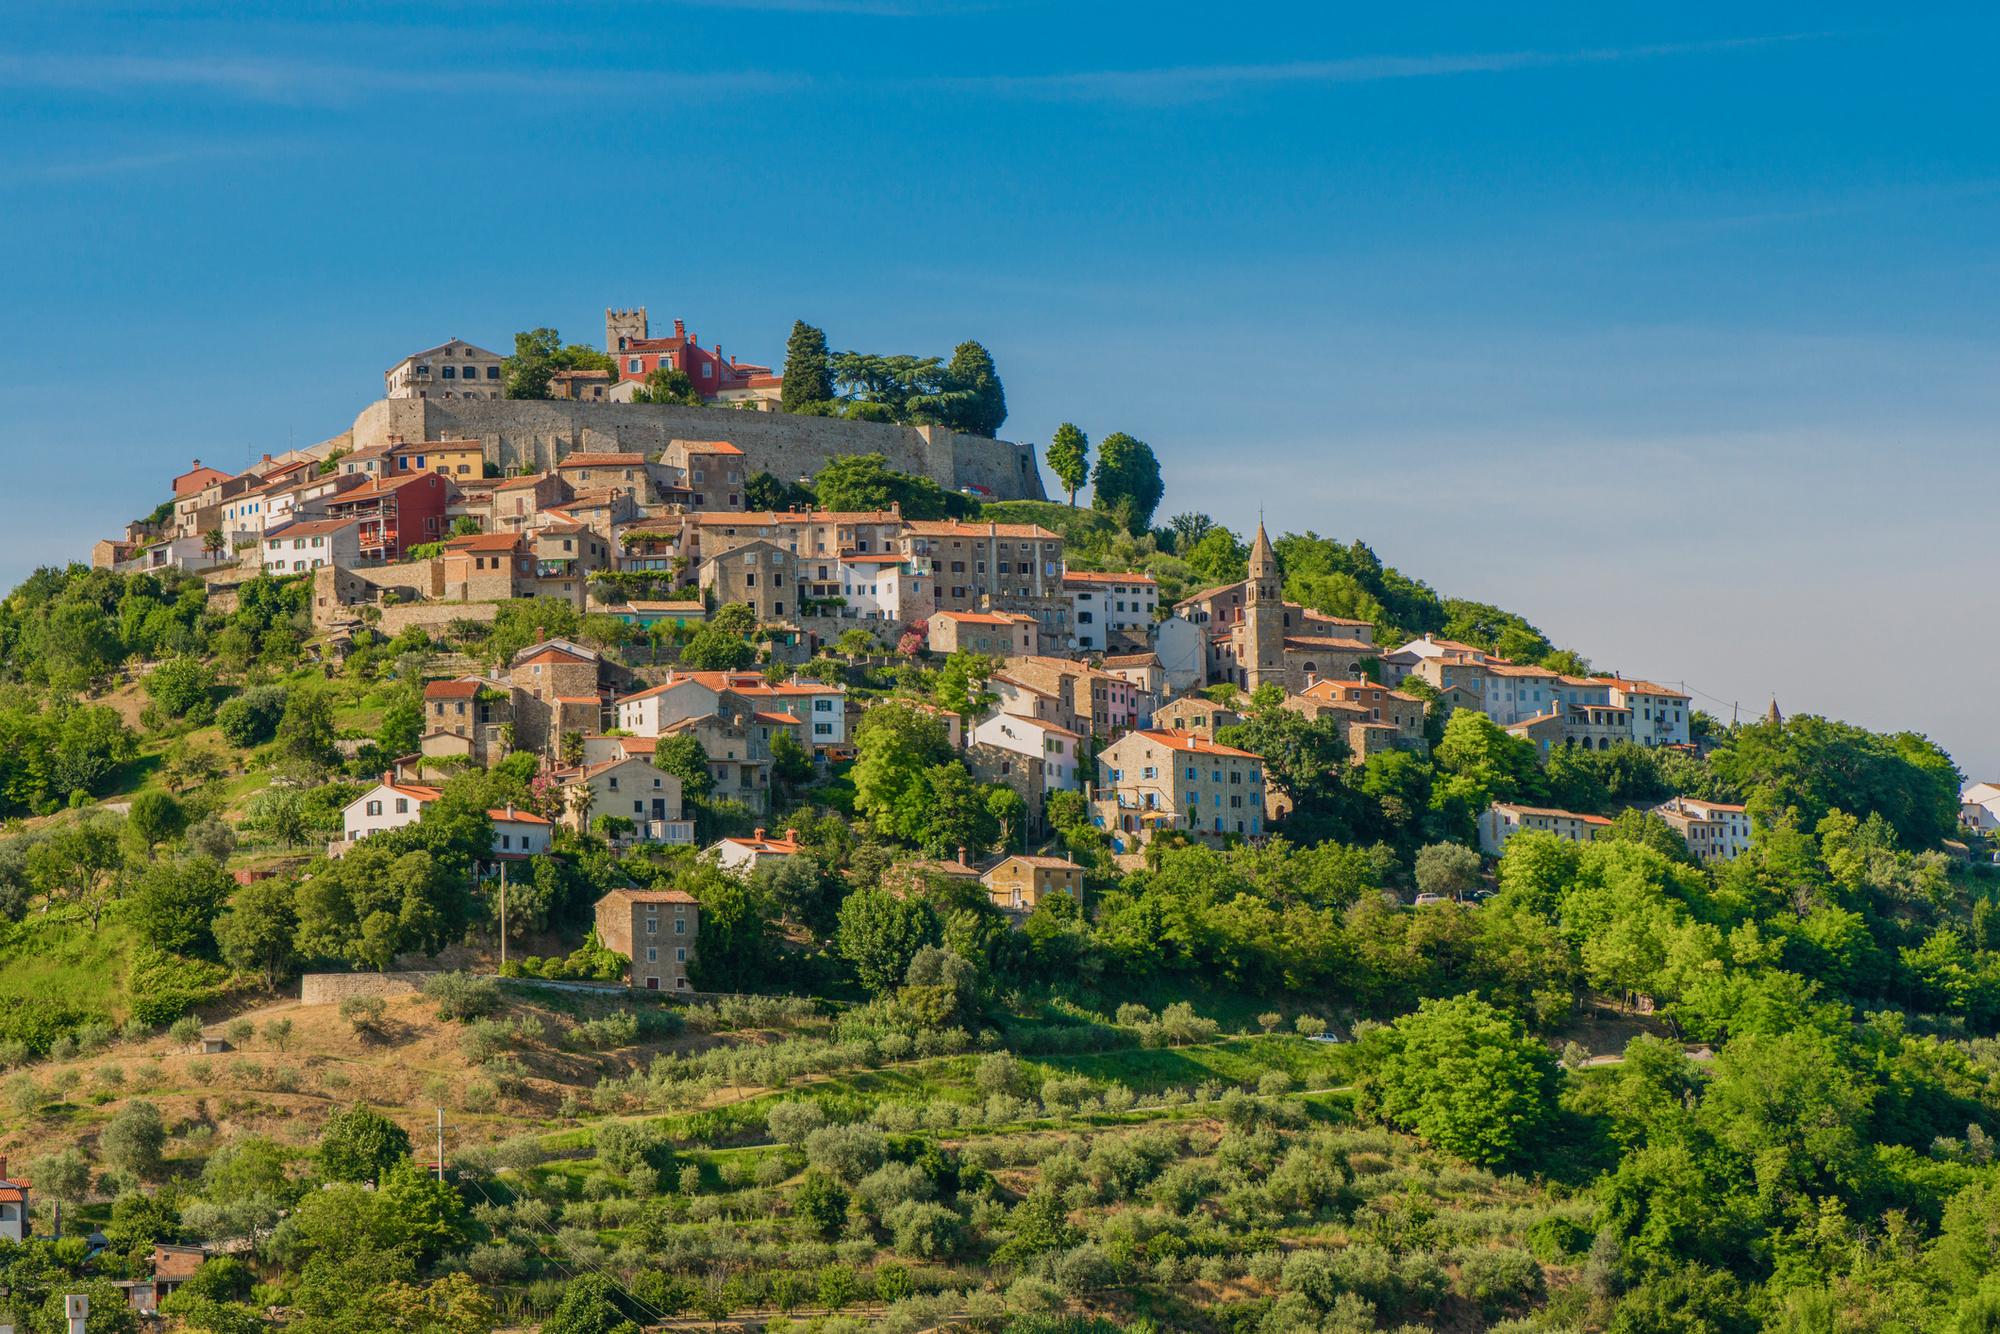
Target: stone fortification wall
point(535, 433)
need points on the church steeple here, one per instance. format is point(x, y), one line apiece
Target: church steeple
point(1262, 651)
point(1263, 569)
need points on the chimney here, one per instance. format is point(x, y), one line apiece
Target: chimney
point(197, 463)
point(791, 836)
point(389, 777)
point(758, 832)
point(963, 860)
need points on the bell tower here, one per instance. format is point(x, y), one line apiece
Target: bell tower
point(622, 326)
point(1263, 617)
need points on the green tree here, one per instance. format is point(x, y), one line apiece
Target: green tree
point(588, 1306)
point(1451, 870)
point(1126, 482)
point(132, 1141)
point(961, 683)
point(1068, 457)
point(251, 718)
point(180, 688)
point(714, 649)
point(896, 745)
point(155, 818)
point(683, 757)
point(305, 733)
point(402, 729)
point(808, 378)
point(256, 933)
point(539, 354)
point(1465, 1077)
point(856, 482)
point(175, 904)
point(880, 933)
point(820, 1203)
point(664, 384)
point(358, 1143)
point(981, 404)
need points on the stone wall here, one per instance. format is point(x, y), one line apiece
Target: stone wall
point(333, 988)
point(397, 619)
point(535, 433)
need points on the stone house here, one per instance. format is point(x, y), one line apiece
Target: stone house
point(1150, 781)
point(1002, 634)
point(760, 574)
point(656, 929)
point(454, 369)
point(1502, 820)
point(1019, 883)
point(633, 788)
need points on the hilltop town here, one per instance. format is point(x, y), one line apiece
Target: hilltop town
point(625, 837)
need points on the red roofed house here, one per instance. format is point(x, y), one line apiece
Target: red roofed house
point(395, 513)
point(656, 930)
point(14, 1212)
point(747, 854)
point(627, 338)
point(197, 479)
point(1150, 781)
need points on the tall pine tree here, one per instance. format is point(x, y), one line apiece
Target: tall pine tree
point(807, 377)
point(1069, 458)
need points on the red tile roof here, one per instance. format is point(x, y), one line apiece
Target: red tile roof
point(1199, 746)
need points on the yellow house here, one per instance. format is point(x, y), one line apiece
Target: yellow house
point(1019, 883)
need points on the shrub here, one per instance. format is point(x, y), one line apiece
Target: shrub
point(849, 1152)
point(365, 1013)
point(925, 1231)
point(185, 1031)
point(462, 996)
point(792, 1122)
point(132, 1142)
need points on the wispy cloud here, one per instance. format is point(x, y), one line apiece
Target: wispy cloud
point(113, 165)
point(1190, 83)
point(271, 79)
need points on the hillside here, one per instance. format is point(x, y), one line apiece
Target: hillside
point(1570, 1086)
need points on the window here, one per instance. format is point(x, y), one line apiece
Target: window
point(652, 926)
point(680, 956)
point(374, 808)
point(652, 954)
point(402, 805)
point(450, 372)
point(492, 373)
point(632, 365)
point(680, 926)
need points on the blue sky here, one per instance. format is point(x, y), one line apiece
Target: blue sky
point(1674, 331)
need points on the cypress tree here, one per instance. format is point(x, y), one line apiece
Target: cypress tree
point(807, 377)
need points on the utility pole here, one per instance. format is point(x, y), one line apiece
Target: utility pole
point(503, 917)
point(440, 1163)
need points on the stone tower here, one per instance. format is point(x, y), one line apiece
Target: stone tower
point(1263, 642)
point(621, 325)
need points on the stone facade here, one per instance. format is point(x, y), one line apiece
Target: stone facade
point(536, 433)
